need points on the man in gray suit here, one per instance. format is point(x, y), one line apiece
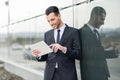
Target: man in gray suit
point(93, 61)
point(64, 41)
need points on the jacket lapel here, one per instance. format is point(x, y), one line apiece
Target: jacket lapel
point(52, 40)
point(65, 33)
point(92, 34)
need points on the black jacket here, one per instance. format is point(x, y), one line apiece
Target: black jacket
point(66, 62)
point(93, 61)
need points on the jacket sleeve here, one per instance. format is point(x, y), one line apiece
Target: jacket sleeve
point(42, 58)
point(74, 51)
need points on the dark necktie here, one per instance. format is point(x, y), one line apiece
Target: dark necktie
point(58, 40)
point(97, 34)
point(58, 36)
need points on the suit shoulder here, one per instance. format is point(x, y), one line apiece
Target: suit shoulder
point(72, 29)
point(49, 31)
point(84, 28)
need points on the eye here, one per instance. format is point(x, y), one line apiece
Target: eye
point(52, 19)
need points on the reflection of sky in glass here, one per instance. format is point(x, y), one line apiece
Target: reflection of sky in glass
point(22, 9)
point(112, 10)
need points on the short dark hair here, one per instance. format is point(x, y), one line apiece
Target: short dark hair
point(51, 9)
point(97, 11)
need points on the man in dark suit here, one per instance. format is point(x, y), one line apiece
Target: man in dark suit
point(64, 41)
point(93, 61)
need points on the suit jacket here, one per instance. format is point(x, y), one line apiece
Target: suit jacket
point(93, 61)
point(66, 62)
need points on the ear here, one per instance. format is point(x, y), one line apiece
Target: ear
point(94, 18)
point(58, 15)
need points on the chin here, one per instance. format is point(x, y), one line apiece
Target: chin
point(54, 27)
point(98, 26)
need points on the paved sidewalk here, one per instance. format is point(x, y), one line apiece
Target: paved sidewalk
point(5, 75)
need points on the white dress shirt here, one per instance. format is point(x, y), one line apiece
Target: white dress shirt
point(61, 32)
point(62, 28)
point(92, 29)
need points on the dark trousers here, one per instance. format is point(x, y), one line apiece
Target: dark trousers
point(56, 75)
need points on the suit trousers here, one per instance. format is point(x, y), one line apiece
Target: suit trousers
point(56, 75)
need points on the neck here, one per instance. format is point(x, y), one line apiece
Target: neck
point(91, 23)
point(61, 24)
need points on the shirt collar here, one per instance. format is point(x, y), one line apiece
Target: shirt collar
point(61, 28)
point(91, 27)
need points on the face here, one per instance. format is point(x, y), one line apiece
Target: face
point(54, 20)
point(99, 20)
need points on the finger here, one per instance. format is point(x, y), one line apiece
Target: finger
point(51, 45)
point(56, 49)
point(36, 52)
